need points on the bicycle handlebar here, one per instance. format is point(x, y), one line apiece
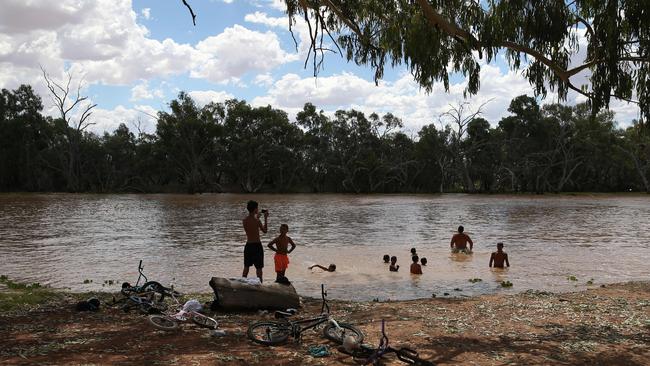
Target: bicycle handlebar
point(323, 294)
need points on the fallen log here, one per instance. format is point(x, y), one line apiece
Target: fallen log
point(233, 294)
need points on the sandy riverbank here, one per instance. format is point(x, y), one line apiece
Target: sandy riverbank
point(601, 326)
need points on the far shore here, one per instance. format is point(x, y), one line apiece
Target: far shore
point(607, 325)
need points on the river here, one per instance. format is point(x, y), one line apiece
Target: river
point(62, 240)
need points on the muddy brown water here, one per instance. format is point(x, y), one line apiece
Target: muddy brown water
point(64, 239)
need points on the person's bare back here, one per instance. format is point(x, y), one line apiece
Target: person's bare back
point(252, 226)
point(460, 240)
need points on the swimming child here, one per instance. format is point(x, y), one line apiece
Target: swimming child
point(423, 261)
point(281, 258)
point(393, 266)
point(386, 258)
point(499, 257)
point(415, 267)
point(413, 252)
point(331, 268)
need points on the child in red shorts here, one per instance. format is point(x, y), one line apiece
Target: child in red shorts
point(281, 250)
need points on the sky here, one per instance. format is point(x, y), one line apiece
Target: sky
point(134, 57)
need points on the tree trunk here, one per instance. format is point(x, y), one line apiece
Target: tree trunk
point(468, 180)
point(639, 168)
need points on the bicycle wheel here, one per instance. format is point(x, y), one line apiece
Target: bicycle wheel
point(337, 335)
point(156, 289)
point(204, 321)
point(163, 322)
point(268, 333)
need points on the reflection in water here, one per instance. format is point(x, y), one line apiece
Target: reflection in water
point(63, 239)
point(499, 274)
point(461, 257)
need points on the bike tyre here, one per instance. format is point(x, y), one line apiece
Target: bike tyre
point(153, 286)
point(329, 333)
point(204, 321)
point(281, 335)
point(163, 322)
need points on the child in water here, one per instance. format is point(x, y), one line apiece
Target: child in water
point(281, 250)
point(386, 258)
point(394, 267)
point(459, 242)
point(415, 267)
point(331, 268)
point(423, 261)
point(499, 257)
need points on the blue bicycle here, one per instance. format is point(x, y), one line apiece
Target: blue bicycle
point(148, 297)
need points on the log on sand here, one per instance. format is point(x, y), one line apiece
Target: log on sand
point(237, 295)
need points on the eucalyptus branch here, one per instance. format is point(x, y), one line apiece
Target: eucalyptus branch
point(191, 12)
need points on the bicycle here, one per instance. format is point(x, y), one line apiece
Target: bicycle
point(148, 297)
point(277, 332)
point(147, 286)
point(171, 321)
point(366, 354)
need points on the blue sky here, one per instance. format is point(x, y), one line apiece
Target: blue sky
point(135, 56)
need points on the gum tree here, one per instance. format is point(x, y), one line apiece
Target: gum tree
point(434, 38)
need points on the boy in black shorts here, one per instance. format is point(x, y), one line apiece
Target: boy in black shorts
point(253, 251)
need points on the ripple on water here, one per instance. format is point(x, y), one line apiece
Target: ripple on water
point(62, 239)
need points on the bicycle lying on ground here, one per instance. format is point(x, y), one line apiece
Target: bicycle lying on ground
point(148, 297)
point(276, 332)
point(172, 320)
point(366, 355)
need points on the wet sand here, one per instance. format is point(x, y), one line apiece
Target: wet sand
point(601, 326)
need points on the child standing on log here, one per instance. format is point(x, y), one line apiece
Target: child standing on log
point(281, 250)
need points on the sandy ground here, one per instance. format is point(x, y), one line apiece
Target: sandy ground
point(601, 326)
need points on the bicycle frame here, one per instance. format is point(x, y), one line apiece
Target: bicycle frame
point(403, 354)
point(297, 326)
point(141, 274)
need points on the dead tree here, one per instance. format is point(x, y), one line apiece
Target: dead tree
point(460, 116)
point(75, 110)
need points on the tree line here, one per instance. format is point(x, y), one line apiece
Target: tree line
point(235, 147)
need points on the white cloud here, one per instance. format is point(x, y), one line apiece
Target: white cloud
point(333, 91)
point(146, 13)
point(142, 91)
point(300, 29)
point(276, 5)
point(403, 97)
point(263, 80)
point(20, 16)
point(203, 97)
point(103, 40)
point(237, 51)
point(107, 120)
point(262, 18)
